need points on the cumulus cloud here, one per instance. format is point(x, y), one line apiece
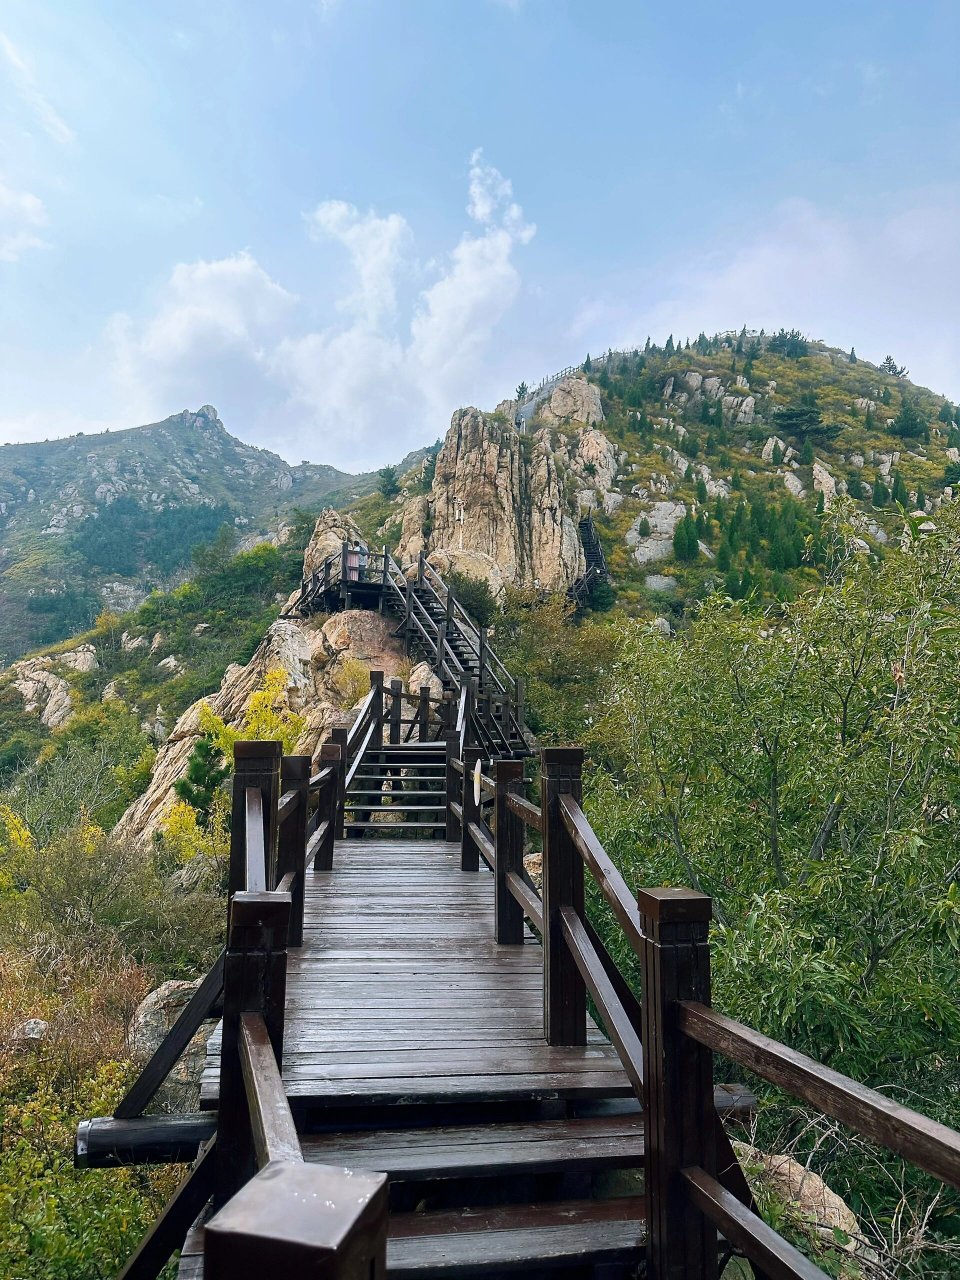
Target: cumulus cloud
point(210, 330)
point(405, 346)
point(25, 84)
point(884, 283)
point(388, 372)
point(21, 215)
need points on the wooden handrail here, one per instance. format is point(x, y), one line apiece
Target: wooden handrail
point(609, 880)
point(487, 785)
point(323, 778)
point(271, 1121)
point(746, 1231)
point(168, 1052)
point(287, 805)
point(929, 1145)
point(530, 813)
point(358, 756)
point(527, 897)
point(256, 881)
point(615, 1018)
point(485, 843)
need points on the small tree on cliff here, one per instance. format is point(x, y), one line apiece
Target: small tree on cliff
point(206, 770)
point(387, 482)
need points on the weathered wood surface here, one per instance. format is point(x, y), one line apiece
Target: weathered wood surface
point(400, 991)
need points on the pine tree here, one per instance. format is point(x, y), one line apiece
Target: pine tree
point(724, 556)
point(910, 423)
point(853, 356)
point(881, 494)
point(731, 584)
point(886, 397)
point(946, 413)
point(921, 500)
point(777, 456)
point(646, 346)
point(587, 364)
point(741, 338)
point(668, 349)
point(899, 491)
point(643, 527)
point(806, 454)
point(685, 543)
point(701, 489)
point(821, 505)
point(206, 770)
point(870, 422)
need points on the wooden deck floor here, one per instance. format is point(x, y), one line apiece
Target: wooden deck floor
point(400, 993)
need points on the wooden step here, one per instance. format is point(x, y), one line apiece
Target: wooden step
point(491, 1150)
point(396, 796)
point(515, 1238)
point(387, 827)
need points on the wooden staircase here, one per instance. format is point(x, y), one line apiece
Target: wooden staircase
point(398, 789)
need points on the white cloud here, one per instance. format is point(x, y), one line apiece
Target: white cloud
point(887, 283)
point(377, 248)
point(21, 214)
point(211, 328)
point(379, 378)
point(24, 81)
point(389, 376)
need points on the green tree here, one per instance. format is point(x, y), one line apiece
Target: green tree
point(881, 494)
point(701, 489)
point(686, 546)
point(387, 482)
point(588, 364)
point(522, 392)
point(206, 771)
point(806, 454)
point(910, 423)
point(853, 356)
point(899, 491)
point(889, 365)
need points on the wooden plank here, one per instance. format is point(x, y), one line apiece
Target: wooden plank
point(929, 1145)
point(274, 1132)
point(747, 1232)
point(191, 1018)
point(105, 1142)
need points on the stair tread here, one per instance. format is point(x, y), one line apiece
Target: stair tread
point(493, 1149)
point(491, 1241)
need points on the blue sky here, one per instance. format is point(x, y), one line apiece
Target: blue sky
point(339, 220)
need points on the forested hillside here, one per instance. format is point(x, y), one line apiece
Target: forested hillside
point(99, 521)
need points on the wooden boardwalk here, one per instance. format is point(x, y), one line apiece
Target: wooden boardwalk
point(400, 993)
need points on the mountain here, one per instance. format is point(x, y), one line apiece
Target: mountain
point(99, 520)
point(708, 467)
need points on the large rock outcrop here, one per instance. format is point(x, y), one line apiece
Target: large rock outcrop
point(573, 399)
point(504, 506)
point(313, 654)
point(45, 691)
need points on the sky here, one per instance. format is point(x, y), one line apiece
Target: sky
point(340, 220)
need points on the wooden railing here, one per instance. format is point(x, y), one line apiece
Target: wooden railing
point(270, 1210)
point(694, 1187)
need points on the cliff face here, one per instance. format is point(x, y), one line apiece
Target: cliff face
point(505, 506)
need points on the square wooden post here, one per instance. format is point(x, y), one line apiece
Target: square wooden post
point(301, 1220)
point(469, 853)
point(376, 684)
point(255, 764)
point(678, 1107)
point(454, 785)
point(423, 713)
point(508, 775)
point(292, 839)
point(564, 992)
point(254, 981)
point(339, 738)
point(396, 711)
point(327, 806)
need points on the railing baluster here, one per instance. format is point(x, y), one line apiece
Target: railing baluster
point(509, 837)
point(677, 1082)
point(256, 764)
point(396, 711)
point(330, 754)
point(564, 991)
point(469, 853)
point(453, 789)
point(254, 981)
point(292, 840)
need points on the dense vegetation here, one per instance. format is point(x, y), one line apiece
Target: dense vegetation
point(823, 407)
point(798, 762)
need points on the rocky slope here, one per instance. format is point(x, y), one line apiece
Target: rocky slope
point(504, 503)
point(97, 520)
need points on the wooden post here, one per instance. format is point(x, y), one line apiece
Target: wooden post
point(339, 738)
point(423, 713)
point(677, 1082)
point(421, 560)
point(564, 992)
point(292, 840)
point(508, 775)
point(407, 610)
point(482, 655)
point(343, 561)
point(396, 711)
point(518, 698)
point(255, 764)
point(296, 1219)
point(482, 705)
point(454, 786)
point(327, 806)
point(326, 575)
point(469, 853)
point(254, 981)
point(376, 683)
